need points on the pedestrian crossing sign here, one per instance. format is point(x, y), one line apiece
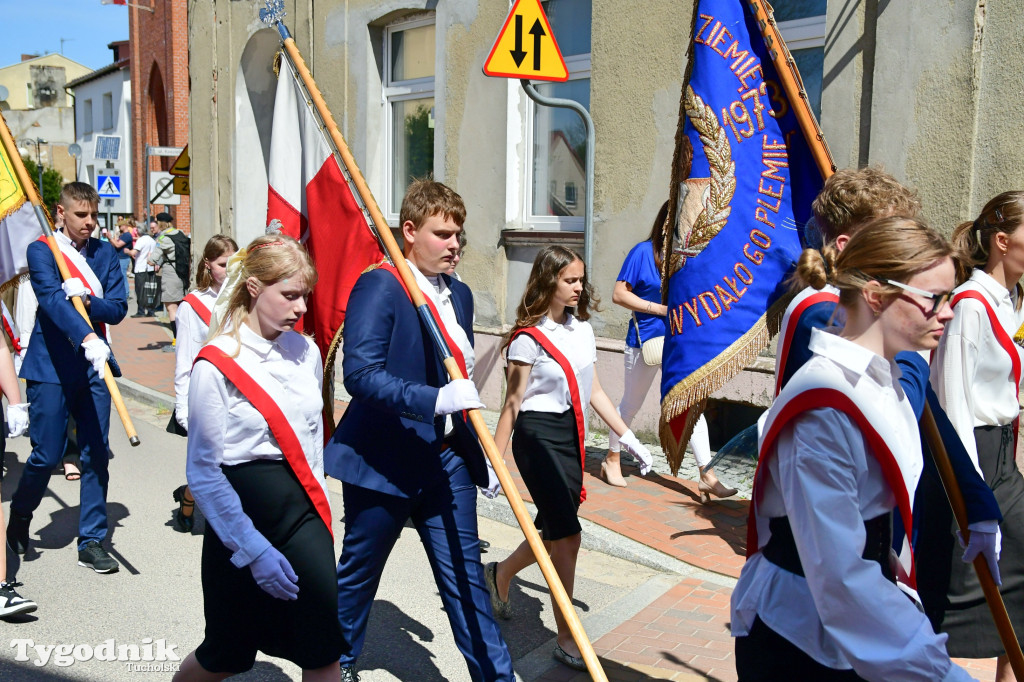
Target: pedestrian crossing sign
point(108, 186)
point(526, 46)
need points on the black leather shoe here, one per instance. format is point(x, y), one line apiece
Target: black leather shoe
point(17, 532)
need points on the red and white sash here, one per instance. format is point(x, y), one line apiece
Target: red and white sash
point(10, 327)
point(796, 308)
point(202, 310)
point(1003, 338)
point(574, 390)
point(302, 452)
point(79, 267)
point(900, 470)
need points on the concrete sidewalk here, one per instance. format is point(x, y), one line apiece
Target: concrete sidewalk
point(681, 634)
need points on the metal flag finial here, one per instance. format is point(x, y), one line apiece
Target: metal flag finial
point(273, 12)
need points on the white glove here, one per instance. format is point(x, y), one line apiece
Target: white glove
point(97, 353)
point(493, 486)
point(633, 446)
point(73, 287)
point(456, 396)
point(17, 419)
point(985, 542)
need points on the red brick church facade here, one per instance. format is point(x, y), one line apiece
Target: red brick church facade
point(160, 92)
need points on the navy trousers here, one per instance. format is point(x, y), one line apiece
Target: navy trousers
point(88, 401)
point(445, 518)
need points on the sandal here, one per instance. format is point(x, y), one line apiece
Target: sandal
point(75, 463)
point(183, 523)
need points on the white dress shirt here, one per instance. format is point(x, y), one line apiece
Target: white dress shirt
point(971, 372)
point(547, 389)
point(192, 333)
point(226, 429)
point(844, 613)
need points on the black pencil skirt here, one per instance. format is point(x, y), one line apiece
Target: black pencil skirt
point(546, 449)
point(241, 618)
point(967, 619)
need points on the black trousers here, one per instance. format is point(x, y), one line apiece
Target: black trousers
point(766, 656)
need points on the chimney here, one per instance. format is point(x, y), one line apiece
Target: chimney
point(26, 57)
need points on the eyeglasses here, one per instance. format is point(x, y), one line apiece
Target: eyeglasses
point(938, 300)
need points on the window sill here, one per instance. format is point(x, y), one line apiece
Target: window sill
point(513, 238)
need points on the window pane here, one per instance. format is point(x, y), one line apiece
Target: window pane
point(412, 53)
point(570, 22)
point(413, 154)
point(811, 64)
point(559, 152)
point(786, 10)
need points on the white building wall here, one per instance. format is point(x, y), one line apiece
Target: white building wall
point(118, 84)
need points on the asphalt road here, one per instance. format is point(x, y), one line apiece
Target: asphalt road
point(155, 602)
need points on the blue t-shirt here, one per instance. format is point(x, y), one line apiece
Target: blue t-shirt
point(122, 253)
point(640, 272)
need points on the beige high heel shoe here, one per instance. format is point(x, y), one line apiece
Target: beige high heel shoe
point(718, 490)
point(614, 479)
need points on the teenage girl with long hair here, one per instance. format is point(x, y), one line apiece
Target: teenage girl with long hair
point(193, 325)
point(976, 372)
point(552, 379)
point(255, 467)
point(817, 598)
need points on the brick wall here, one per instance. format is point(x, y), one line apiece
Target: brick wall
point(160, 89)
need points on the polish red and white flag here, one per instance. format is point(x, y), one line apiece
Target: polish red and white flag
point(309, 195)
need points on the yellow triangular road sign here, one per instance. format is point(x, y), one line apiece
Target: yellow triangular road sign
point(526, 47)
point(181, 163)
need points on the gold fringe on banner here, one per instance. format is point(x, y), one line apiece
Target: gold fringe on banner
point(698, 386)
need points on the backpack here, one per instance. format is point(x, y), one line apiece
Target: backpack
point(182, 258)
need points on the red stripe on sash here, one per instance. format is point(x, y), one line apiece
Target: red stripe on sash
point(813, 399)
point(574, 389)
point(452, 346)
point(279, 425)
point(15, 341)
point(197, 305)
point(794, 318)
point(1004, 339)
point(100, 327)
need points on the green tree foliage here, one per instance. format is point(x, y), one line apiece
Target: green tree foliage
point(52, 181)
point(419, 136)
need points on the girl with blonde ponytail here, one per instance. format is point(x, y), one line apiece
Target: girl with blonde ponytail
point(976, 373)
point(817, 598)
point(255, 468)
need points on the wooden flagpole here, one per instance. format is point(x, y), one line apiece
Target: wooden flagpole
point(44, 224)
point(797, 97)
point(988, 584)
point(396, 256)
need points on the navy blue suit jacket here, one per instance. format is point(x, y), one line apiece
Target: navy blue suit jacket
point(55, 352)
point(981, 503)
point(389, 439)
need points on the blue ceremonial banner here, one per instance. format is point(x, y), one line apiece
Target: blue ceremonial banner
point(753, 177)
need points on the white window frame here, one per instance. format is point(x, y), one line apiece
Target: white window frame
point(578, 66)
point(399, 91)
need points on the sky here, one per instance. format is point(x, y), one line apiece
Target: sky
point(36, 26)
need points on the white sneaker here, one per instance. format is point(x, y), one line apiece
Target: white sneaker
point(12, 603)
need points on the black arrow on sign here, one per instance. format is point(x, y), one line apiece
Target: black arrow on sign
point(537, 32)
point(517, 54)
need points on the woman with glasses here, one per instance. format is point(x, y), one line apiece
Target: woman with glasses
point(817, 598)
point(976, 372)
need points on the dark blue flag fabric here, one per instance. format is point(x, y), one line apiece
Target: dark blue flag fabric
point(754, 178)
